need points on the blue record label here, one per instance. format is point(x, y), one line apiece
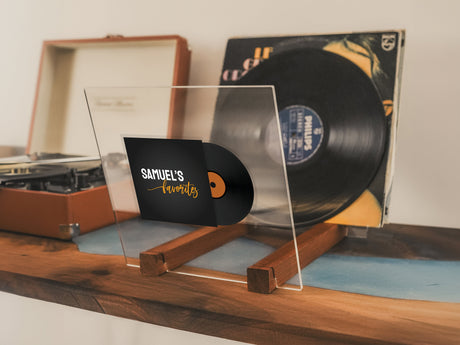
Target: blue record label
point(302, 131)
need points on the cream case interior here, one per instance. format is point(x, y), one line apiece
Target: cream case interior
point(60, 122)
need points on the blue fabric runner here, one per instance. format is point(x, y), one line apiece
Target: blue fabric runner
point(386, 277)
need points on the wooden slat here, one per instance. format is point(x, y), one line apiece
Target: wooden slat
point(281, 265)
point(178, 251)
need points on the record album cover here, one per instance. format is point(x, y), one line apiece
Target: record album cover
point(337, 97)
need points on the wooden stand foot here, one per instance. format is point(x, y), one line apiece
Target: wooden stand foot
point(278, 267)
point(175, 253)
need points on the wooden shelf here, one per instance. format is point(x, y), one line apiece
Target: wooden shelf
point(56, 271)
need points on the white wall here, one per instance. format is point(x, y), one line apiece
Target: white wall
point(427, 180)
point(427, 183)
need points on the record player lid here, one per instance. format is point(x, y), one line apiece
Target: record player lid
point(60, 121)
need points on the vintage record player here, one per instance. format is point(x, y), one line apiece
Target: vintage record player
point(57, 188)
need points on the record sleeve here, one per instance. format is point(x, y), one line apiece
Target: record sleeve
point(378, 55)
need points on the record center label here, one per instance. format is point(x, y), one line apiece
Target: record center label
point(302, 133)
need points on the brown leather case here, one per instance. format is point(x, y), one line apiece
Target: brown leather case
point(67, 215)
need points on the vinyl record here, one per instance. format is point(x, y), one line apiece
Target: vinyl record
point(231, 185)
point(333, 128)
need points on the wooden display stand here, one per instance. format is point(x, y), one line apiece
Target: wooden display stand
point(264, 276)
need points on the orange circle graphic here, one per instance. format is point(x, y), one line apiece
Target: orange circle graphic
point(217, 185)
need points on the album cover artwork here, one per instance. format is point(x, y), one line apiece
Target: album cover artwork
point(337, 97)
point(188, 181)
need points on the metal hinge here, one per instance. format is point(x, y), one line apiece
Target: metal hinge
point(68, 231)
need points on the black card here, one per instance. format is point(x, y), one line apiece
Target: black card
point(171, 180)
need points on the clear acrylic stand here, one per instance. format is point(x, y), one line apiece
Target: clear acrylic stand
point(243, 120)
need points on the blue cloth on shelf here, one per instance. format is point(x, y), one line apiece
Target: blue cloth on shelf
point(386, 277)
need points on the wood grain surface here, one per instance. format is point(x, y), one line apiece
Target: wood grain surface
point(403, 241)
point(56, 271)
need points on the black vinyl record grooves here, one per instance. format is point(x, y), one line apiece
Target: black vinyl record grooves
point(333, 128)
point(232, 201)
